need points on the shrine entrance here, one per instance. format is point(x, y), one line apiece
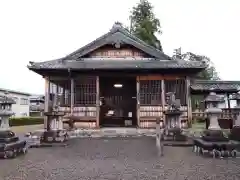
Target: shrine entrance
point(118, 104)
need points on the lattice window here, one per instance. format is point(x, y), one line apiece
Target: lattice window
point(179, 87)
point(150, 92)
point(85, 91)
point(62, 89)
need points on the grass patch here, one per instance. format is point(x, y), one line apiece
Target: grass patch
point(23, 121)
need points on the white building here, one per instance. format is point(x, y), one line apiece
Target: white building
point(22, 106)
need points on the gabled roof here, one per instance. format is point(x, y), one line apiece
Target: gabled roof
point(118, 34)
point(217, 86)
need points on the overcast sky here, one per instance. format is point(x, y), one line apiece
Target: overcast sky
point(40, 30)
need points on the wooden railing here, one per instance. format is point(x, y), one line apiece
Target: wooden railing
point(227, 113)
point(149, 114)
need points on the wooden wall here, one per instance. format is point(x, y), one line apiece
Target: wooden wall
point(152, 99)
point(122, 52)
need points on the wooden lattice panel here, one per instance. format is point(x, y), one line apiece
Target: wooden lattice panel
point(149, 114)
point(80, 111)
point(111, 52)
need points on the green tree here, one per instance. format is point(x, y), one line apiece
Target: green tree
point(209, 73)
point(144, 24)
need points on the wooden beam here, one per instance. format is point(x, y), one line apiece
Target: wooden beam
point(46, 102)
point(163, 98)
point(58, 78)
point(138, 101)
point(188, 100)
point(97, 101)
point(72, 95)
point(160, 77)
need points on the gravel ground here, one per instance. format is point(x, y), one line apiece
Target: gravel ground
point(25, 129)
point(116, 158)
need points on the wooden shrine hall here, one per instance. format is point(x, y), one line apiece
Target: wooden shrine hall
point(117, 80)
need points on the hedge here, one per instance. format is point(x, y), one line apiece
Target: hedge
point(22, 121)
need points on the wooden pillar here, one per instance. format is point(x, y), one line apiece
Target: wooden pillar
point(228, 101)
point(163, 98)
point(97, 102)
point(188, 101)
point(229, 107)
point(64, 96)
point(72, 96)
point(47, 100)
point(138, 101)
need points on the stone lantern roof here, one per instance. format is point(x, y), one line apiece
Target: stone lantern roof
point(4, 99)
point(235, 96)
point(214, 98)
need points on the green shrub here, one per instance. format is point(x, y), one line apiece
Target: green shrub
point(23, 121)
point(200, 120)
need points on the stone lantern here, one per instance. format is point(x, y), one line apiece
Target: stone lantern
point(213, 140)
point(213, 111)
point(5, 111)
point(235, 131)
point(236, 97)
point(55, 132)
point(173, 127)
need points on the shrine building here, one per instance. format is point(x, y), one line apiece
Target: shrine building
point(118, 80)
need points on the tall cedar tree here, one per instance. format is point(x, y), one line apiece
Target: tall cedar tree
point(144, 24)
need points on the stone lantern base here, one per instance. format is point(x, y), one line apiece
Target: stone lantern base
point(55, 133)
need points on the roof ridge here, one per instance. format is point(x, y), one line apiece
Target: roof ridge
point(139, 40)
point(91, 43)
point(117, 27)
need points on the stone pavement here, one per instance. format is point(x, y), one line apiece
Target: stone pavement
point(112, 132)
point(116, 158)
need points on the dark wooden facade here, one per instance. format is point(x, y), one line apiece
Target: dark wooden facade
point(79, 77)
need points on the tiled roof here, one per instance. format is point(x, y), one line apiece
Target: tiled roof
point(205, 85)
point(14, 92)
point(118, 34)
point(117, 64)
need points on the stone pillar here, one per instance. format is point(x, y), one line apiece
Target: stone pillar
point(4, 123)
point(159, 145)
point(54, 124)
